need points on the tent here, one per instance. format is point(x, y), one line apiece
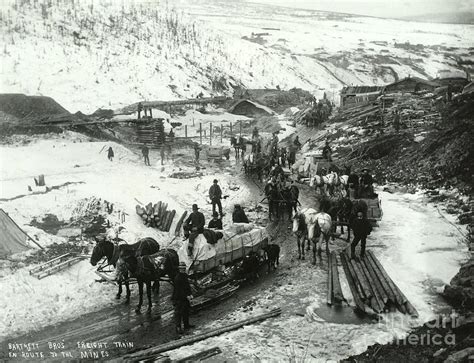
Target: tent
point(12, 238)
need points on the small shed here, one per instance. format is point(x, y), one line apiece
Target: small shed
point(250, 108)
point(352, 95)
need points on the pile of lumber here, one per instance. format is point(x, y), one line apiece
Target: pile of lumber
point(373, 290)
point(156, 215)
point(150, 132)
point(334, 285)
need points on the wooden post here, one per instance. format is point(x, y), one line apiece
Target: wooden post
point(200, 133)
point(222, 127)
point(185, 131)
point(150, 113)
point(210, 133)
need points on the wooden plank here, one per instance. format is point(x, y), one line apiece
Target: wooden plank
point(336, 284)
point(360, 305)
point(199, 337)
point(384, 274)
point(173, 213)
point(376, 302)
point(180, 223)
point(48, 263)
point(329, 298)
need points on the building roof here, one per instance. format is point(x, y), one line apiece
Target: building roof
point(415, 79)
point(255, 104)
point(360, 89)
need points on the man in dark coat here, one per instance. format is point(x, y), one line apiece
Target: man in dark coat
point(239, 216)
point(193, 226)
point(366, 187)
point(110, 154)
point(361, 228)
point(181, 299)
point(145, 153)
point(327, 151)
point(352, 185)
point(215, 222)
point(297, 143)
point(215, 195)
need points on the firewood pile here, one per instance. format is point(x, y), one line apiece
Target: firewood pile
point(185, 175)
point(156, 215)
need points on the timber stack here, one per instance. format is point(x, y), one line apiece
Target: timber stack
point(156, 215)
point(373, 290)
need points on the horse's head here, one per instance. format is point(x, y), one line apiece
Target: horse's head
point(102, 249)
point(296, 221)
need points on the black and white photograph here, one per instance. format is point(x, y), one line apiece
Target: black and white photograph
point(237, 181)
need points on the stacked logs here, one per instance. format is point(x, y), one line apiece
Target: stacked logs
point(373, 290)
point(156, 215)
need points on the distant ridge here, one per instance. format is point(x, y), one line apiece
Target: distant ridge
point(449, 18)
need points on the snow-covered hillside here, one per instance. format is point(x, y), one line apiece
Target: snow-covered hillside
point(91, 54)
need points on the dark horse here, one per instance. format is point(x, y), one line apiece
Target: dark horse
point(111, 251)
point(340, 211)
point(148, 268)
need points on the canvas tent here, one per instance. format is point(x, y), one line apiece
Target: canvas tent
point(12, 238)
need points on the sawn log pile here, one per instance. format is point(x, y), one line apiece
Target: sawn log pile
point(156, 215)
point(373, 290)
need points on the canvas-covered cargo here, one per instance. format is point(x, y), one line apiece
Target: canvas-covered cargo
point(238, 241)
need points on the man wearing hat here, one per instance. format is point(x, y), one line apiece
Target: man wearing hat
point(366, 187)
point(193, 226)
point(181, 299)
point(215, 194)
point(216, 222)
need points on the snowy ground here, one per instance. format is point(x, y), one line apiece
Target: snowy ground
point(419, 248)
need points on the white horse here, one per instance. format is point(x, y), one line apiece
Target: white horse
point(304, 223)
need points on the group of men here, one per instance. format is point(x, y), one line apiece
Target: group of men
point(165, 147)
point(194, 224)
point(360, 187)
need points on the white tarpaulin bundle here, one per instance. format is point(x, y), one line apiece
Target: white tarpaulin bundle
point(236, 243)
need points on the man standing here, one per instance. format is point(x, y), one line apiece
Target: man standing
point(110, 154)
point(327, 151)
point(362, 228)
point(297, 143)
point(145, 153)
point(396, 121)
point(193, 226)
point(215, 195)
point(181, 299)
point(366, 187)
point(352, 184)
point(197, 149)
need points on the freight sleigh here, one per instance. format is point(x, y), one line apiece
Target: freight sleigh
point(214, 268)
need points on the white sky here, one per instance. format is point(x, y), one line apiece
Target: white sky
point(382, 8)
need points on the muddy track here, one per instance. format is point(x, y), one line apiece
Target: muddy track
point(120, 323)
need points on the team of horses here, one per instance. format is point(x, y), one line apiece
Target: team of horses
point(143, 260)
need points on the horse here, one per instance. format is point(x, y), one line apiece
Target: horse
point(148, 268)
point(237, 146)
point(111, 251)
point(340, 211)
point(304, 224)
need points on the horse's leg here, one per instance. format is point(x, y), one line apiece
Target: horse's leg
point(127, 287)
point(302, 247)
point(140, 296)
point(148, 294)
point(348, 233)
point(327, 243)
point(156, 287)
point(119, 290)
point(299, 247)
point(314, 252)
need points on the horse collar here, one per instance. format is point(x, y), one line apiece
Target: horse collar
point(115, 255)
